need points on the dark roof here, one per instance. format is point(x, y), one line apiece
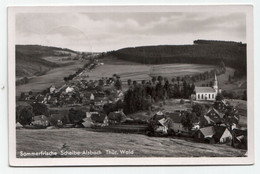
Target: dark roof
point(239, 132)
point(99, 118)
point(219, 132)
point(174, 116)
point(204, 89)
point(57, 116)
point(117, 116)
point(217, 112)
point(157, 117)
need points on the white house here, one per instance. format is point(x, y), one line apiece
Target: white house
point(52, 89)
point(69, 89)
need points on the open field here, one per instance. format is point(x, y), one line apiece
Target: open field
point(54, 76)
point(136, 71)
point(141, 145)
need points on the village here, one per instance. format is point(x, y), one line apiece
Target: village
point(104, 104)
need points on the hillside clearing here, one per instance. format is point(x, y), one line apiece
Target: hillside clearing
point(142, 145)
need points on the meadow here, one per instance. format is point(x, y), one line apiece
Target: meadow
point(136, 71)
point(54, 76)
point(141, 145)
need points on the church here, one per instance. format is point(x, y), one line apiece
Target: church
point(207, 93)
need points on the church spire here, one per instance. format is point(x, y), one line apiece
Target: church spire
point(215, 86)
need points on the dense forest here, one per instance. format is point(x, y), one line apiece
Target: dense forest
point(233, 54)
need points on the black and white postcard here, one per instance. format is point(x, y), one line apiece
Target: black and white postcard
point(131, 85)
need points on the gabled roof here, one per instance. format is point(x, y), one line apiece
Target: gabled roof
point(219, 132)
point(208, 119)
point(157, 117)
point(204, 90)
point(208, 131)
point(216, 111)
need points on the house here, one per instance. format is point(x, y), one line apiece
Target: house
point(116, 117)
point(205, 135)
point(53, 100)
point(231, 120)
point(221, 105)
point(207, 93)
point(92, 97)
point(69, 89)
point(215, 115)
point(40, 98)
point(206, 121)
point(162, 126)
point(40, 120)
point(57, 119)
point(18, 125)
point(222, 135)
point(87, 122)
point(52, 89)
point(175, 123)
point(99, 119)
point(213, 134)
point(240, 138)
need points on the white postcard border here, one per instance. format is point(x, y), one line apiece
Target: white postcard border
point(13, 161)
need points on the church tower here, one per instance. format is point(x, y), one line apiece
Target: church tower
point(215, 86)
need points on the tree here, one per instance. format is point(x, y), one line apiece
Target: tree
point(134, 83)
point(199, 110)
point(119, 105)
point(143, 82)
point(178, 80)
point(166, 87)
point(160, 78)
point(118, 84)
point(100, 83)
point(244, 97)
point(153, 80)
point(24, 114)
point(76, 115)
point(22, 96)
point(40, 109)
point(173, 80)
point(129, 81)
point(159, 91)
point(188, 120)
point(109, 107)
point(219, 97)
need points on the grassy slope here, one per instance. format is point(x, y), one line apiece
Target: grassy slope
point(143, 146)
point(54, 76)
point(137, 71)
point(30, 59)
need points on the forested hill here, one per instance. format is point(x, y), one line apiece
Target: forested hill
point(201, 52)
point(29, 59)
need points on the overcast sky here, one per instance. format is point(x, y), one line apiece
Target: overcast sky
point(112, 31)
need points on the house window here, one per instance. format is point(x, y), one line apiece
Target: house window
point(209, 96)
point(201, 96)
point(213, 96)
point(198, 96)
